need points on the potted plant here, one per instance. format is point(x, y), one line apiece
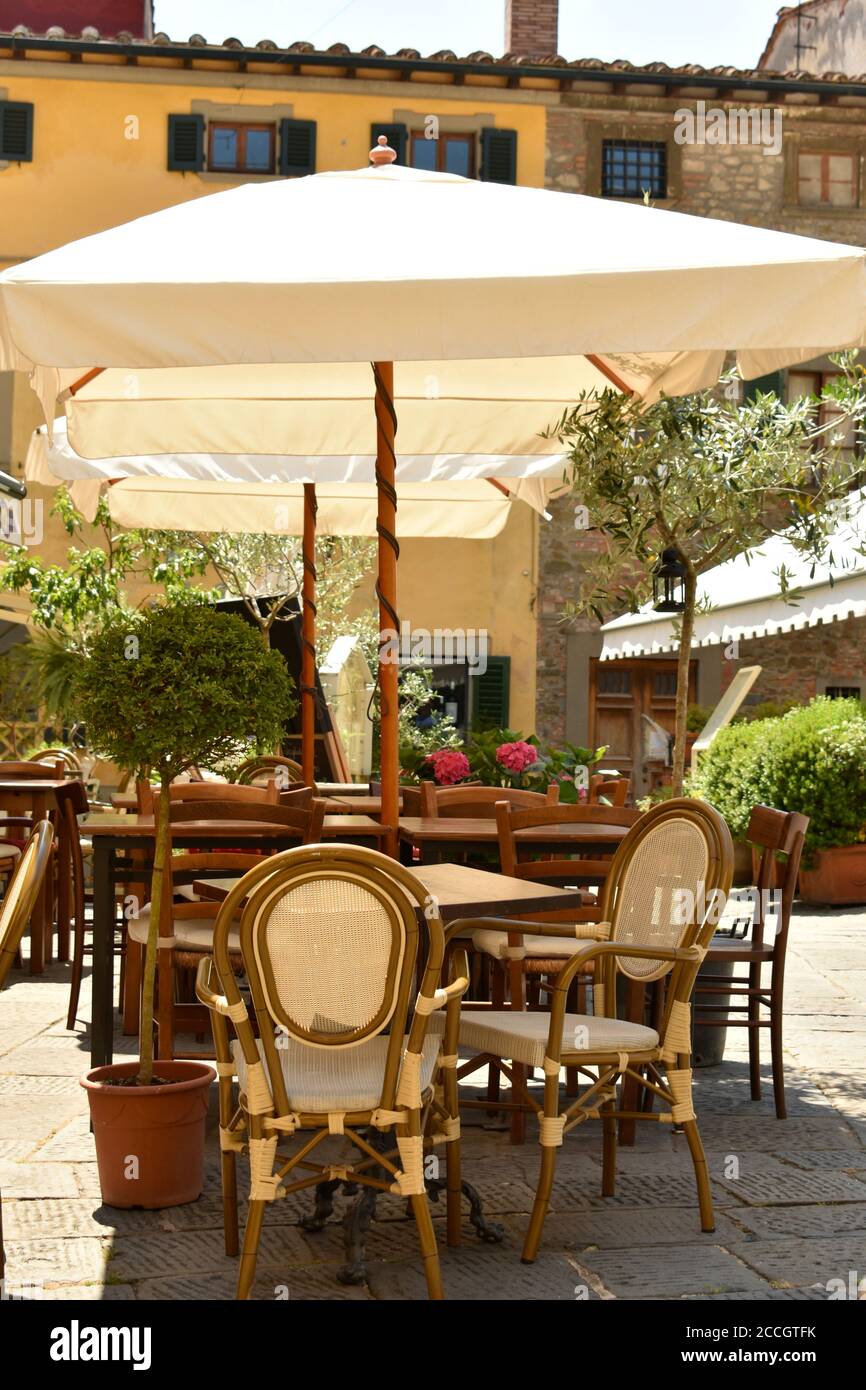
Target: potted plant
point(166, 689)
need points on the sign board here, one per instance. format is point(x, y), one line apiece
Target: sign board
point(725, 709)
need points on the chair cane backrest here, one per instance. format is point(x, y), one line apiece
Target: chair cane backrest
point(664, 883)
point(330, 940)
point(20, 897)
point(480, 802)
point(285, 771)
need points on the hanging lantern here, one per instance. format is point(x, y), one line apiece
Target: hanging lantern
point(669, 578)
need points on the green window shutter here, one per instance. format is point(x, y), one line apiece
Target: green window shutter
point(762, 385)
point(186, 143)
point(489, 694)
point(498, 155)
point(297, 148)
point(398, 138)
point(16, 131)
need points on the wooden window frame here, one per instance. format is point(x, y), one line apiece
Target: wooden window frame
point(654, 147)
point(241, 128)
point(661, 132)
point(825, 155)
point(441, 142)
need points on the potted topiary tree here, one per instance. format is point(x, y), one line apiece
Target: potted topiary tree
point(167, 689)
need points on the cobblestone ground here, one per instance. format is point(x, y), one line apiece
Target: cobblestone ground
point(790, 1196)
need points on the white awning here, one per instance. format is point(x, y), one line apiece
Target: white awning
point(745, 601)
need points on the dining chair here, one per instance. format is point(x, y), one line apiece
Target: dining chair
point(206, 791)
point(33, 771)
point(71, 761)
point(15, 912)
point(657, 920)
point(479, 803)
point(342, 985)
point(610, 791)
point(71, 800)
point(186, 929)
point(523, 965)
point(286, 771)
point(774, 833)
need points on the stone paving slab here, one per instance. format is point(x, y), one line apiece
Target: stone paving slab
point(793, 1218)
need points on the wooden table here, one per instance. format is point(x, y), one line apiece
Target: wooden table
point(460, 891)
point(36, 796)
point(115, 835)
point(436, 835)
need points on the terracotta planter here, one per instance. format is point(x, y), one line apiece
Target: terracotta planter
point(838, 877)
point(150, 1139)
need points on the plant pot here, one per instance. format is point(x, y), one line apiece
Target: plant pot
point(837, 878)
point(150, 1139)
point(708, 1041)
point(745, 872)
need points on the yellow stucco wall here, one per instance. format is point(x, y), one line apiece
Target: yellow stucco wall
point(88, 174)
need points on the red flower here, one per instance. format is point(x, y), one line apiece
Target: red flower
point(449, 766)
point(517, 757)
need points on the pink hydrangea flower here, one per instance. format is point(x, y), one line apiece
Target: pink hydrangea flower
point(517, 757)
point(449, 766)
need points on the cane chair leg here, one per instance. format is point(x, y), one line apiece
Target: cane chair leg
point(453, 1178)
point(229, 1178)
point(77, 971)
point(540, 1205)
point(520, 1076)
point(250, 1252)
point(608, 1139)
point(702, 1177)
point(497, 1001)
point(776, 1049)
point(755, 1033)
point(427, 1240)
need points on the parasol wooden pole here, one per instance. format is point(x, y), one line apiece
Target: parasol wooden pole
point(386, 592)
point(308, 638)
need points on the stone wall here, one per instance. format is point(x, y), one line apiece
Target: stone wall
point(799, 665)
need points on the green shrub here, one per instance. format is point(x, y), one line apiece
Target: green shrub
point(811, 760)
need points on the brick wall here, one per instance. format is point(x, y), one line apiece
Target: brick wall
point(797, 663)
point(532, 27)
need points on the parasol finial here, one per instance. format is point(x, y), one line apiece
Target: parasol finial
point(382, 154)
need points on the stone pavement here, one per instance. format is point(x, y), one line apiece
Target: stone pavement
point(790, 1196)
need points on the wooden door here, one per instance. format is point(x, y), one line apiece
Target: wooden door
point(620, 694)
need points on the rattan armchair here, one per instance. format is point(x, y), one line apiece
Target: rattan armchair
point(256, 771)
point(659, 907)
point(15, 911)
point(332, 949)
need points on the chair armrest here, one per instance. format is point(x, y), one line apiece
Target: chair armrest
point(579, 931)
point(689, 954)
point(429, 1003)
point(205, 994)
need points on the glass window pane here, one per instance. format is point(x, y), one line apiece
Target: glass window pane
point(258, 150)
point(424, 153)
point(457, 157)
point(224, 147)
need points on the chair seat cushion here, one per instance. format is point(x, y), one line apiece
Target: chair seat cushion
point(325, 1079)
point(8, 851)
point(189, 934)
point(495, 943)
point(522, 1037)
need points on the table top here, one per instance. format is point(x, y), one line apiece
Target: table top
point(460, 892)
point(113, 823)
point(458, 829)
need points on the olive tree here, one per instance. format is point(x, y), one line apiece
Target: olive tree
point(167, 689)
point(708, 477)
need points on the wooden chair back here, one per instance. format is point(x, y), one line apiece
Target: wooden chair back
point(70, 760)
point(611, 791)
point(46, 772)
point(574, 864)
point(306, 822)
point(72, 802)
point(299, 797)
point(285, 771)
point(776, 832)
point(206, 791)
point(479, 803)
point(20, 897)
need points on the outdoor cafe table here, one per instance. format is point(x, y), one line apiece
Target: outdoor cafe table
point(435, 836)
point(114, 836)
point(36, 797)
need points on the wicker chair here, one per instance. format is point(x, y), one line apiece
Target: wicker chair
point(15, 911)
point(330, 941)
point(70, 760)
point(256, 771)
point(650, 929)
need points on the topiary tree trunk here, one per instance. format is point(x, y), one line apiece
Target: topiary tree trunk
point(684, 656)
point(162, 849)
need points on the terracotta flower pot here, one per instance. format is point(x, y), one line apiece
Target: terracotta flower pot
point(837, 878)
point(150, 1139)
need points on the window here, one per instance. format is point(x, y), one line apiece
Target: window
point(812, 384)
point(826, 179)
point(612, 680)
point(842, 692)
point(449, 154)
point(247, 149)
point(629, 168)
